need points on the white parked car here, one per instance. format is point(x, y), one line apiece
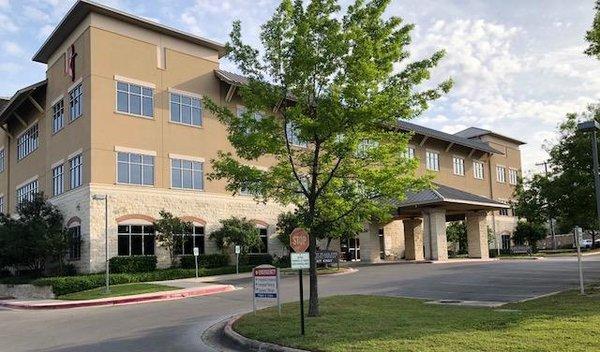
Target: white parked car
point(586, 244)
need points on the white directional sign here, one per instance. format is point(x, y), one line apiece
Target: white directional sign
point(265, 285)
point(300, 260)
point(196, 251)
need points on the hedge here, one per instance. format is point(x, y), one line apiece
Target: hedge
point(134, 264)
point(208, 261)
point(70, 284)
point(255, 259)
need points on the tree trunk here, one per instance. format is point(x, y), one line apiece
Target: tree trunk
point(313, 301)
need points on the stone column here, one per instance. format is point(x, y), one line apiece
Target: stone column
point(436, 247)
point(413, 239)
point(369, 243)
point(477, 235)
point(393, 234)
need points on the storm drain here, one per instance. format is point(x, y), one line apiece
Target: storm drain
point(457, 302)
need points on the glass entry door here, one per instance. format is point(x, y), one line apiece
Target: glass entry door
point(350, 248)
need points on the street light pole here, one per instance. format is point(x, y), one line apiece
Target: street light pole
point(107, 270)
point(594, 127)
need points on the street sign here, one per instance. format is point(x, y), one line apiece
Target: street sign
point(265, 284)
point(237, 249)
point(196, 254)
point(300, 260)
point(196, 251)
point(299, 240)
point(327, 257)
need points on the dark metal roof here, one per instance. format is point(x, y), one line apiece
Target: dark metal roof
point(3, 103)
point(17, 99)
point(82, 8)
point(444, 194)
point(474, 132)
point(430, 132)
point(231, 78)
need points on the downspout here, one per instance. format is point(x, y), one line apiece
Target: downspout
point(492, 197)
point(8, 168)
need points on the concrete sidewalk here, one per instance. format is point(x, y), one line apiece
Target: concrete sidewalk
point(193, 291)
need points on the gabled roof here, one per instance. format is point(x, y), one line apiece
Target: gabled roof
point(82, 8)
point(3, 102)
point(475, 132)
point(231, 78)
point(17, 99)
point(430, 132)
point(444, 194)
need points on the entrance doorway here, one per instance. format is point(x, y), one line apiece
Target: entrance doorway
point(505, 242)
point(350, 248)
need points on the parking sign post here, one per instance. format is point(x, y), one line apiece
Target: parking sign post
point(300, 260)
point(196, 254)
point(578, 235)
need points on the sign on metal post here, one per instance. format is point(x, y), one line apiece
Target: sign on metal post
point(265, 285)
point(238, 249)
point(196, 254)
point(299, 241)
point(578, 239)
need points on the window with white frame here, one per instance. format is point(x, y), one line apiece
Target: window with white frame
point(27, 191)
point(28, 142)
point(58, 184)
point(513, 176)
point(432, 161)
point(242, 110)
point(76, 102)
point(135, 240)
point(458, 165)
point(478, 170)
point(76, 171)
point(135, 169)
point(58, 116)
point(500, 174)
point(2, 159)
point(187, 174)
point(2, 204)
point(135, 99)
point(410, 153)
point(292, 136)
point(193, 237)
point(186, 109)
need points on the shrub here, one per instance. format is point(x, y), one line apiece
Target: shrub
point(137, 264)
point(282, 262)
point(208, 261)
point(256, 259)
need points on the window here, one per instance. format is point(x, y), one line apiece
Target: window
point(27, 191)
point(478, 170)
point(409, 153)
point(2, 159)
point(58, 113)
point(28, 142)
point(500, 174)
point(75, 242)
point(292, 136)
point(432, 161)
point(135, 99)
point(135, 240)
point(187, 174)
point(186, 109)
point(264, 238)
point(186, 242)
point(256, 115)
point(458, 165)
point(1, 204)
point(503, 212)
point(58, 180)
point(76, 102)
point(135, 169)
point(76, 171)
point(513, 176)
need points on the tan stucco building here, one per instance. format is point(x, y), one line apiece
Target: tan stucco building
point(119, 114)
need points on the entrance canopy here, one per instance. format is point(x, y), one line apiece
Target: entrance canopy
point(454, 201)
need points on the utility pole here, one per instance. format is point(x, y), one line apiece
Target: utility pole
point(552, 233)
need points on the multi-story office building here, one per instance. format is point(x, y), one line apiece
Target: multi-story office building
point(119, 115)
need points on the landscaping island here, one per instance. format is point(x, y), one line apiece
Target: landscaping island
point(117, 291)
point(562, 322)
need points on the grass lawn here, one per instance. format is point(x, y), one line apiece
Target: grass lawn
point(563, 322)
point(116, 291)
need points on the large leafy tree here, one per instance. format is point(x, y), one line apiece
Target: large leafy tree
point(169, 229)
point(530, 233)
point(592, 36)
point(236, 231)
point(329, 88)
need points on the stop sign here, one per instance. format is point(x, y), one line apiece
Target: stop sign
point(299, 240)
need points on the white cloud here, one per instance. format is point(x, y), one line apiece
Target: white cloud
point(7, 25)
point(4, 4)
point(12, 48)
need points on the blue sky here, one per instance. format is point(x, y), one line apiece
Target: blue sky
point(518, 65)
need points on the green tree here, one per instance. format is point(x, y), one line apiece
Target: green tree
point(286, 223)
point(330, 88)
point(237, 231)
point(457, 232)
point(169, 229)
point(593, 35)
point(529, 233)
point(531, 200)
point(35, 235)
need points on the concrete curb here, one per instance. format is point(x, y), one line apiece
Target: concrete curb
point(114, 301)
point(253, 345)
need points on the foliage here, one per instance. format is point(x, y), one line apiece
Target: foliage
point(167, 227)
point(35, 235)
point(282, 262)
point(531, 199)
point(69, 284)
point(592, 36)
point(236, 231)
point(216, 260)
point(286, 223)
point(255, 259)
point(328, 92)
point(134, 264)
point(529, 233)
point(457, 232)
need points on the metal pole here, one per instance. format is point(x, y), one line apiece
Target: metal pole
point(278, 294)
point(301, 302)
point(196, 260)
point(579, 264)
point(551, 223)
point(106, 242)
point(596, 177)
point(237, 263)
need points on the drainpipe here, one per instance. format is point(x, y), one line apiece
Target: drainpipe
point(492, 197)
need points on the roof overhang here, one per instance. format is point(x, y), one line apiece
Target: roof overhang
point(18, 99)
point(83, 8)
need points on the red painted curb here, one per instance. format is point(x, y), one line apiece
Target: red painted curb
point(165, 296)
